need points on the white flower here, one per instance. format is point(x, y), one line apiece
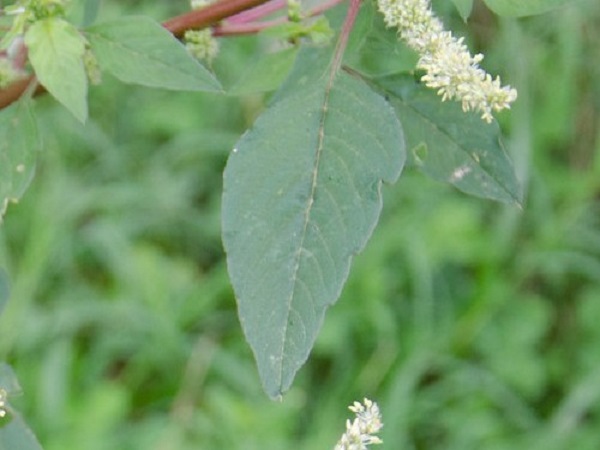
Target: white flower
point(361, 431)
point(449, 67)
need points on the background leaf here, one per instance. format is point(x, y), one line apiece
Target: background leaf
point(55, 52)
point(518, 8)
point(266, 74)
point(140, 51)
point(19, 145)
point(452, 146)
point(464, 8)
point(301, 197)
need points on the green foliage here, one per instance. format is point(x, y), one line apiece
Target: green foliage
point(452, 146)
point(473, 324)
point(301, 197)
point(139, 50)
point(516, 8)
point(19, 147)
point(56, 53)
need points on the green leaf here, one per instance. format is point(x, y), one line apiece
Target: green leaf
point(19, 146)
point(55, 51)
point(267, 74)
point(450, 145)
point(464, 8)
point(518, 8)
point(140, 51)
point(4, 289)
point(16, 435)
point(301, 197)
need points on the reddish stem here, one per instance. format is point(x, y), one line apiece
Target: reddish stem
point(344, 34)
point(257, 12)
point(209, 15)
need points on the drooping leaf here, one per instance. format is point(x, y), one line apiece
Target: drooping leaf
point(450, 145)
point(55, 51)
point(464, 8)
point(19, 146)
point(4, 290)
point(518, 8)
point(139, 50)
point(301, 197)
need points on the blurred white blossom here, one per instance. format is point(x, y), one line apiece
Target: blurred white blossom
point(361, 431)
point(449, 66)
point(2, 403)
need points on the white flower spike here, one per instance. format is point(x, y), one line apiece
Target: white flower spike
point(360, 433)
point(449, 66)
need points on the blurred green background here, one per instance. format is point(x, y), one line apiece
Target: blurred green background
point(474, 325)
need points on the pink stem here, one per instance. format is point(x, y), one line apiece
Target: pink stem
point(258, 12)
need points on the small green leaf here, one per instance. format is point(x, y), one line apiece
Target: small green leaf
point(19, 146)
point(301, 197)
point(4, 289)
point(464, 8)
point(267, 74)
point(450, 145)
point(55, 51)
point(518, 8)
point(138, 50)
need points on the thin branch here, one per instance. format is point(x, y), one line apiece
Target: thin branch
point(209, 15)
point(257, 12)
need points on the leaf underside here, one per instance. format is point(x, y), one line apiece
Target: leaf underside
point(301, 197)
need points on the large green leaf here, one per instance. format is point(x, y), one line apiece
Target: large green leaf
point(516, 8)
point(19, 145)
point(139, 50)
point(55, 51)
point(301, 197)
point(450, 145)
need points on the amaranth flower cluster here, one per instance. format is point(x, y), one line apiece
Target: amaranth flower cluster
point(449, 66)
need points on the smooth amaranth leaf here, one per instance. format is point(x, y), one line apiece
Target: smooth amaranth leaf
point(301, 198)
point(139, 50)
point(519, 8)
point(19, 146)
point(450, 145)
point(55, 50)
